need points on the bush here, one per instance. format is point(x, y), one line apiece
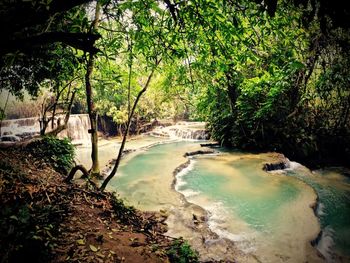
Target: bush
point(181, 252)
point(58, 153)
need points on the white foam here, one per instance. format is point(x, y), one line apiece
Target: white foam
point(189, 192)
point(320, 209)
point(179, 177)
point(326, 243)
point(217, 220)
point(294, 165)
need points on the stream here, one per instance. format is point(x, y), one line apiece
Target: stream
point(229, 208)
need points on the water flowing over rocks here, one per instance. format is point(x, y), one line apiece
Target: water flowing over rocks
point(183, 130)
point(26, 128)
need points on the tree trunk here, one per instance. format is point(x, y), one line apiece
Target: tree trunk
point(60, 128)
point(2, 117)
point(95, 169)
point(125, 134)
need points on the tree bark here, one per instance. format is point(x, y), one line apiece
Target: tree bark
point(73, 172)
point(95, 169)
point(125, 134)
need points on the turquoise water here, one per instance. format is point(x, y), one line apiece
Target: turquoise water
point(145, 180)
point(333, 190)
point(267, 214)
point(255, 207)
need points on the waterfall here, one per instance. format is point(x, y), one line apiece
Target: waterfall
point(189, 134)
point(183, 130)
point(19, 129)
point(78, 126)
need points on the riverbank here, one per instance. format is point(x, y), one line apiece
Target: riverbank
point(47, 220)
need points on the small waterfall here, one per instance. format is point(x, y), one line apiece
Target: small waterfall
point(78, 126)
point(189, 134)
point(19, 129)
point(183, 130)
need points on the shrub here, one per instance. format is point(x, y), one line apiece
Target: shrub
point(181, 252)
point(59, 153)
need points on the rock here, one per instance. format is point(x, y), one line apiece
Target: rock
point(28, 135)
point(215, 144)
point(10, 138)
point(198, 152)
point(126, 151)
point(280, 164)
point(275, 166)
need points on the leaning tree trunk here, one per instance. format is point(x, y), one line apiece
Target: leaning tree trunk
point(126, 131)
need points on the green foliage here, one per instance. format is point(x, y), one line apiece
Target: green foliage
point(260, 81)
point(181, 252)
point(26, 59)
point(59, 153)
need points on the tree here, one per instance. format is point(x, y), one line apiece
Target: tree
point(152, 38)
point(95, 169)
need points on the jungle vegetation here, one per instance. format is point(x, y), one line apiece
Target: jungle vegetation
point(265, 75)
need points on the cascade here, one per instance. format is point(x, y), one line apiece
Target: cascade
point(189, 134)
point(19, 129)
point(78, 126)
point(183, 130)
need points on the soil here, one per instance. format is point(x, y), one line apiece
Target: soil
point(70, 221)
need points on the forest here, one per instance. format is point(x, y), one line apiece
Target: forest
point(264, 76)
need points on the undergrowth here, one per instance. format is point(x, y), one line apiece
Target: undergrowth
point(181, 252)
point(27, 224)
point(59, 153)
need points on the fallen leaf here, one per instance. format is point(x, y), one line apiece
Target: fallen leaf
point(93, 248)
point(81, 242)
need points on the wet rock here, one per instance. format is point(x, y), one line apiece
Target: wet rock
point(275, 166)
point(198, 152)
point(126, 151)
point(215, 144)
point(281, 163)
